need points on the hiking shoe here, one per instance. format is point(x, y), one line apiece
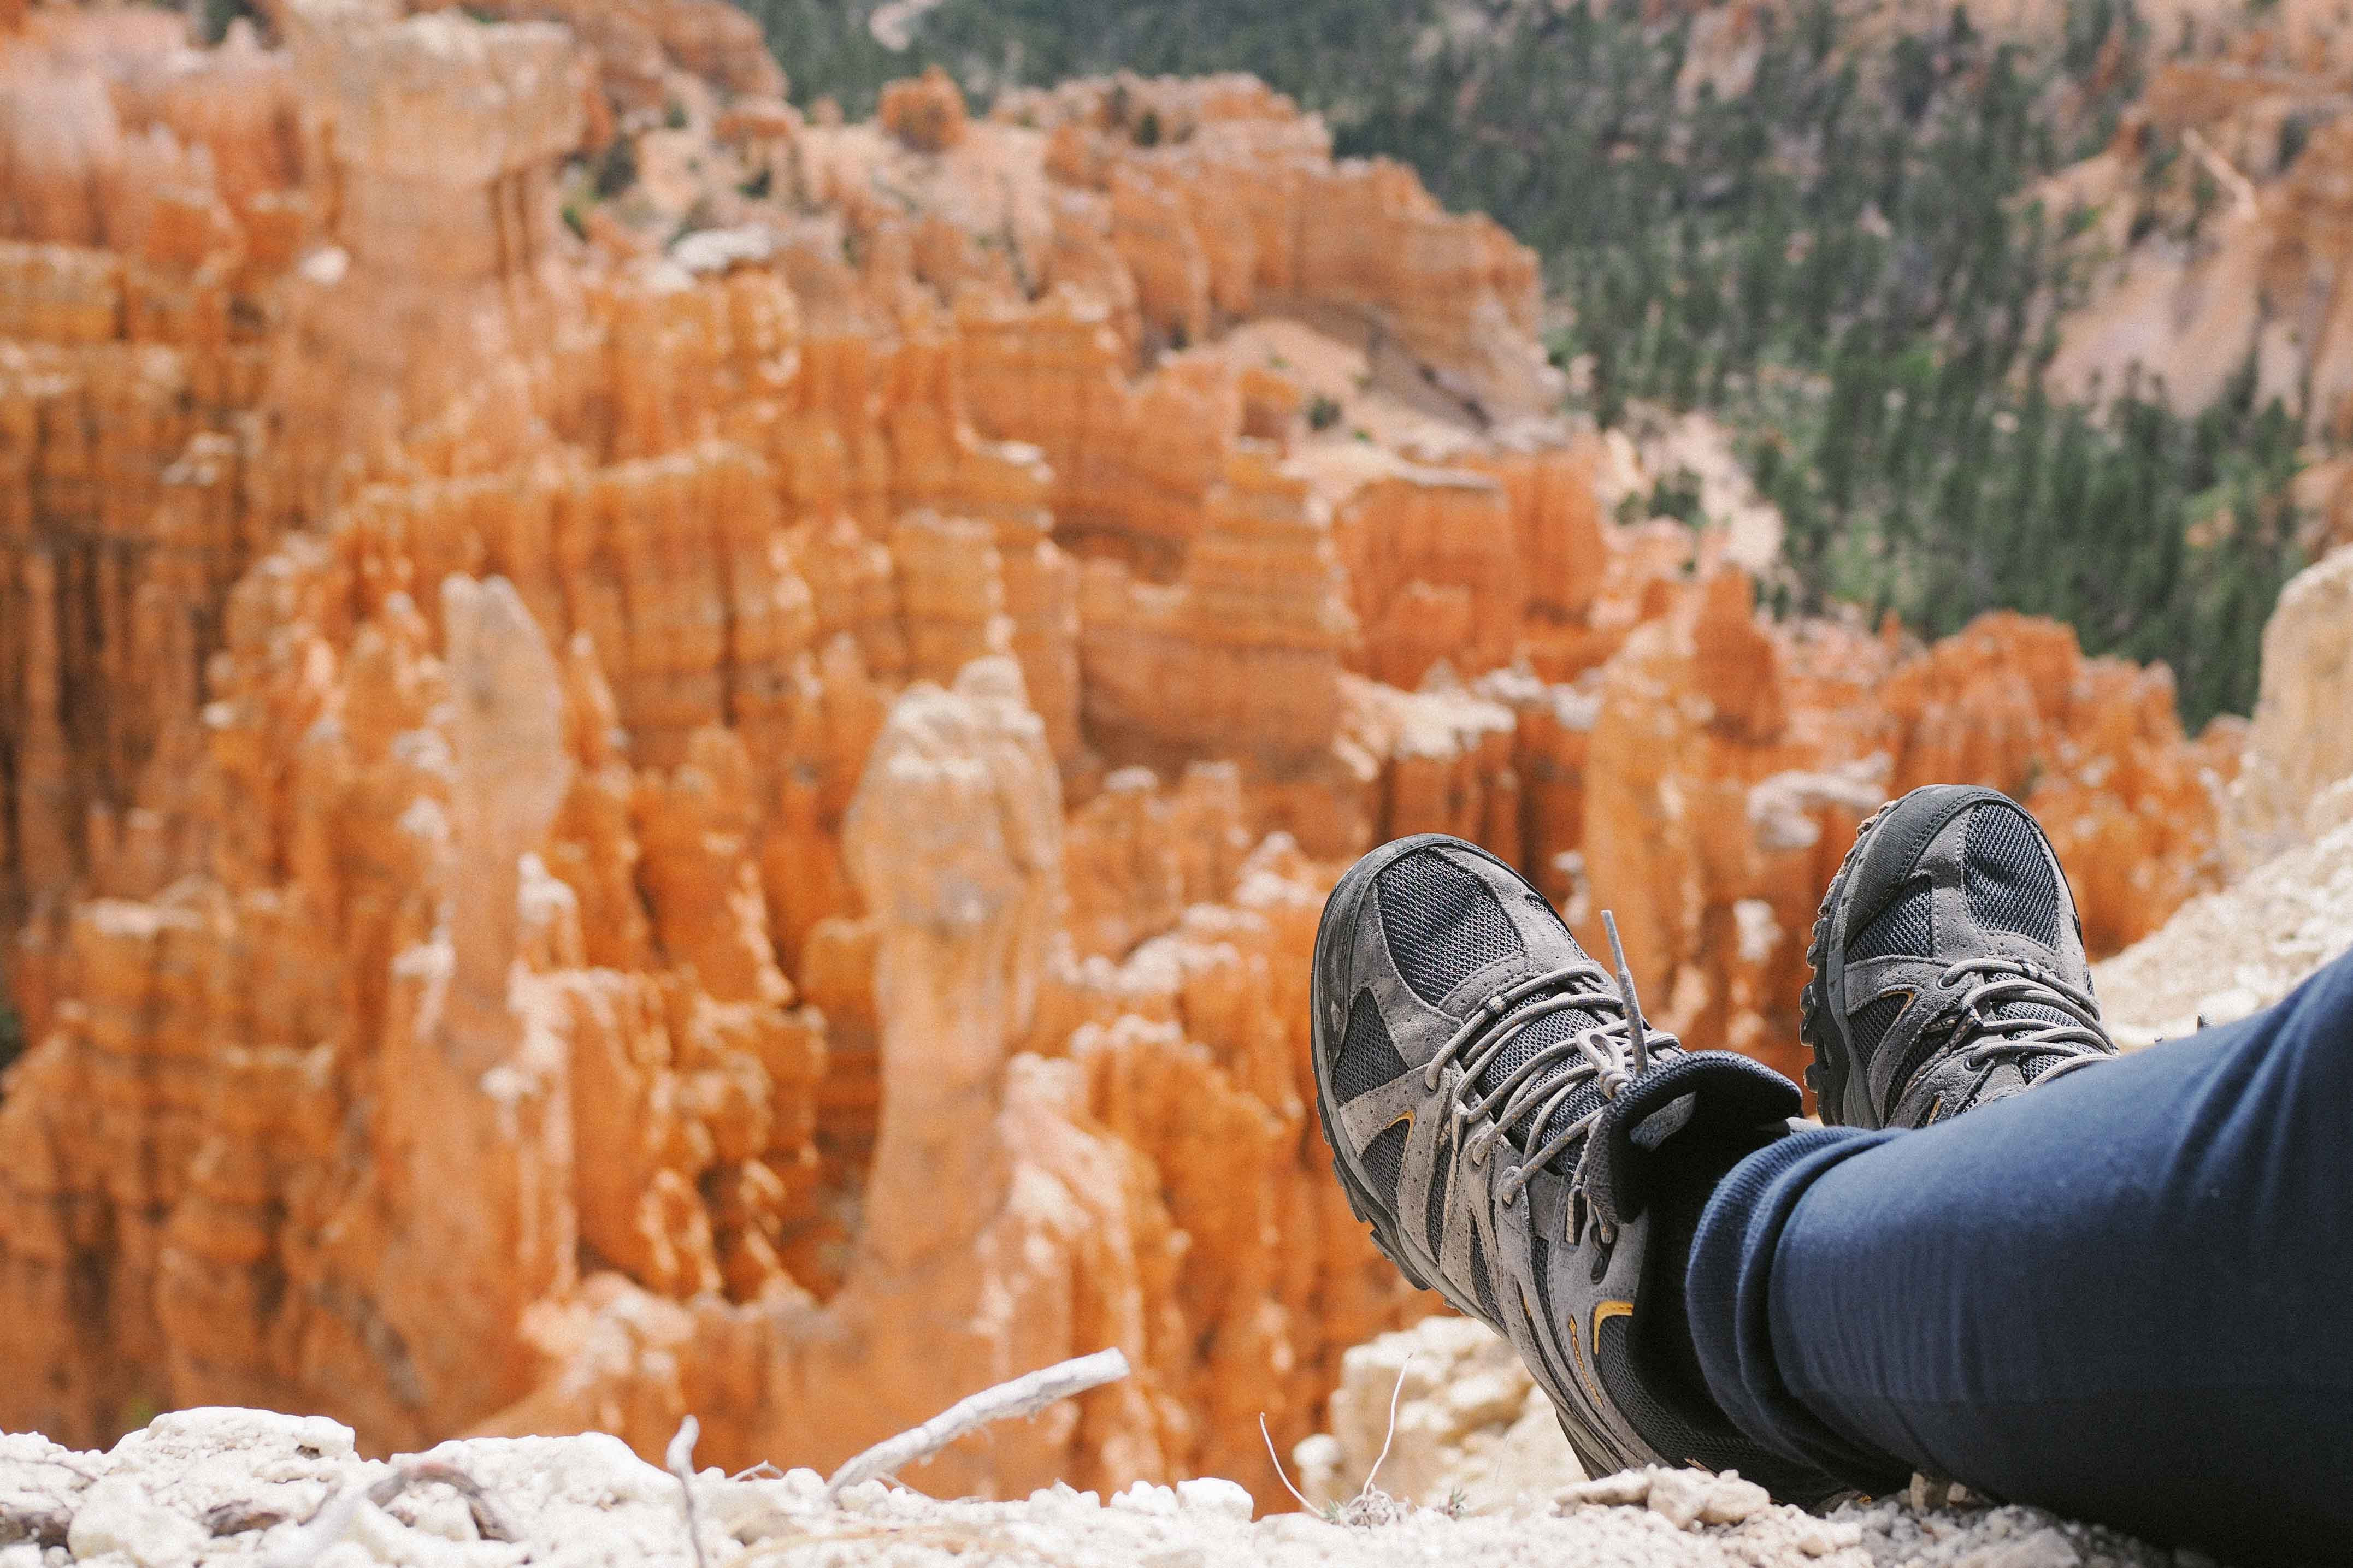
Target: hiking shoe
point(1948, 965)
point(1521, 1144)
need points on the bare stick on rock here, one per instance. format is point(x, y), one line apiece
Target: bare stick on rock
point(333, 1516)
point(1023, 1396)
point(423, 1472)
point(679, 1458)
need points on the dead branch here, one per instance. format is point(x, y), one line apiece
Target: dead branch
point(335, 1512)
point(1280, 1473)
point(763, 1471)
point(426, 1472)
point(679, 1458)
point(1024, 1395)
point(1389, 1437)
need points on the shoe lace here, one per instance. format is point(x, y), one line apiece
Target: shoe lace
point(1612, 1054)
point(2080, 1040)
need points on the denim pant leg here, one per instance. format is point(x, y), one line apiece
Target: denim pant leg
point(2127, 1296)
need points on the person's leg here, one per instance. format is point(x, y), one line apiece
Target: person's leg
point(2127, 1295)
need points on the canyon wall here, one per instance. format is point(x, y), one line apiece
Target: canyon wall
point(711, 796)
point(2219, 213)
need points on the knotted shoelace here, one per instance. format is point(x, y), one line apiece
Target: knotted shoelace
point(2081, 1041)
point(1611, 1054)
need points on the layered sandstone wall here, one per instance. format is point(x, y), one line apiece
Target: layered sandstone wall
point(150, 220)
point(625, 824)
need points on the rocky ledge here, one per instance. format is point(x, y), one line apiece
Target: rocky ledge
point(225, 1486)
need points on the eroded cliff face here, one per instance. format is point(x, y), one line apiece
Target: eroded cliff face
point(2219, 217)
point(603, 826)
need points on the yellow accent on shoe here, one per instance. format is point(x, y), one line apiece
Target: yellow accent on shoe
point(1603, 1313)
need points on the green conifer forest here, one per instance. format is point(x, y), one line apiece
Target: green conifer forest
point(1841, 261)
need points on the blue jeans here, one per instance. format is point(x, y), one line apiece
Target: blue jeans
point(2126, 1296)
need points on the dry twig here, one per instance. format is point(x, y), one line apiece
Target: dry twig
point(764, 1471)
point(679, 1457)
point(1023, 1396)
point(334, 1514)
point(1370, 1505)
point(425, 1472)
point(1280, 1474)
point(1390, 1435)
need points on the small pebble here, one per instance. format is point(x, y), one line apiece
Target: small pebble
point(1145, 1498)
point(2046, 1548)
point(1627, 1487)
point(1731, 1501)
point(867, 1495)
point(1821, 1538)
point(1680, 1496)
point(1299, 1527)
point(1215, 1494)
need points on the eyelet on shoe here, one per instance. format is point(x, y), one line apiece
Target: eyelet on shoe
point(1511, 1183)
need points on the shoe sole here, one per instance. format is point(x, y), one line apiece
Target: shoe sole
point(1821, 1027)
point(1341, 908)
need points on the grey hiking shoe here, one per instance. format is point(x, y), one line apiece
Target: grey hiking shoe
point(1948, 965)
point(1521, 1144)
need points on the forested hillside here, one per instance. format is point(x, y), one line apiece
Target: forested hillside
point(1826, 242)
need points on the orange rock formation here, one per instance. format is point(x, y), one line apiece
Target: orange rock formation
point(602, 828)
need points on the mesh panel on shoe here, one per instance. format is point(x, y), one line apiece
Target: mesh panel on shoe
point(1433, 1225)
point(1938, 1040)
point(2010, 886)
point(1870, 1024)
point(1479, 1279)
point(1384, 1160)
point(1717, 1446)
point(1901, 927)
point(1925, 1045)
point(2034, 1067)
point(1443, 922)
point(1664, 1427)
point(1368, 1058)
point(1540, 1262)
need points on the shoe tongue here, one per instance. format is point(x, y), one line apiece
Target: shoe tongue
point(1547, 1031)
